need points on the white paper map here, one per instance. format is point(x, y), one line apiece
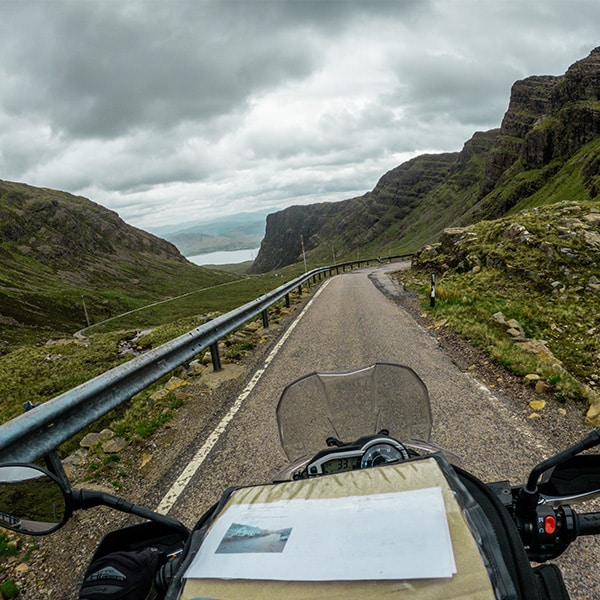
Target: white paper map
point(401, 535)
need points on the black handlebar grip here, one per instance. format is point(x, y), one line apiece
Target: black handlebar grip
point(588, 523)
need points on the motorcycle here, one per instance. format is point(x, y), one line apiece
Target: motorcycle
point(367, 507)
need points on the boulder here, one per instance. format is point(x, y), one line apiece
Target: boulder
point(114, 445)
point(537, 405)
point(174, 383)
point(541, 351)
point(91, 439)
point(196, 368)
point(593, 414)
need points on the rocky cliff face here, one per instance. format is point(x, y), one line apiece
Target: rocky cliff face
point(529, 100)
point(359, 221)
point(282, 244)
point(548, 121)
point(571, 117)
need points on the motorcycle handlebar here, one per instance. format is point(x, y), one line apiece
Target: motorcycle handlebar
point(548, 531)
point(588, 523)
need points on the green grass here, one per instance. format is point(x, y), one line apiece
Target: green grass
point(56, 309)
point(8, 545)
point(9, 589)
point(570, 182)
point(13, 547)
point(471, 316)
point(36, 373)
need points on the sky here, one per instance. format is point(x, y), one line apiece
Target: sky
point(169, 112)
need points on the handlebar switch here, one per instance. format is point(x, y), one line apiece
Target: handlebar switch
point(550, 524)
point(550, 532)
point(545, 527)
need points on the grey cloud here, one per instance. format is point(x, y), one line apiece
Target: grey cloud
point(101, 69)
point(471, 91)
point(331, 15)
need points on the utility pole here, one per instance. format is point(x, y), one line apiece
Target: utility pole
point(303, 253)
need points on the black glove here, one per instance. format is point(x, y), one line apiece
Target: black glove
point(121, 575)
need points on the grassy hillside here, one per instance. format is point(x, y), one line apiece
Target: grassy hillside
point(575, 177)
point(59, 252)
point(38, 372)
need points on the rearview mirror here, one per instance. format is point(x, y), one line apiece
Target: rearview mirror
point(577, 478)
point(32, 500)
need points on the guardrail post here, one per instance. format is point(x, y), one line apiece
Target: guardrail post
point(265, 318)
point(287, 300)
point(300, 290)
point(216, 359)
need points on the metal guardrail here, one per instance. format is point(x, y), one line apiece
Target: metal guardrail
point(41, 429)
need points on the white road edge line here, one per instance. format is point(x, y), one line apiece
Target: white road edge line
point(182, 481)
point(515, 422)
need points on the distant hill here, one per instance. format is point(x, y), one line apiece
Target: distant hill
point(546, 150)
point(243, 231)
point(57, 249)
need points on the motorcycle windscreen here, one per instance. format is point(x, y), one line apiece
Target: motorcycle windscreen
point(347, 406)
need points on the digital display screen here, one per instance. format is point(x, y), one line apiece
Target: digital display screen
point(338, 465)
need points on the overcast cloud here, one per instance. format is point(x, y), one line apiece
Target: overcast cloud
point(171, 112)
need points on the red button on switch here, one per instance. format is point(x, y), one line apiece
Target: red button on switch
point(549, 525)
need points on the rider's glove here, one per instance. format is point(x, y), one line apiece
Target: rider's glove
point(121, 575)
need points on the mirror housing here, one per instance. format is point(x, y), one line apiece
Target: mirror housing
point(577, 478)
point(36, 502)
point(32, 500)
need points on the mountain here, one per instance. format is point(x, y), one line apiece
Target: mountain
point(546, 150)
point(56, 248)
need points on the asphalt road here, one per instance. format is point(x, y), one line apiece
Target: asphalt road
point(350, 323)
